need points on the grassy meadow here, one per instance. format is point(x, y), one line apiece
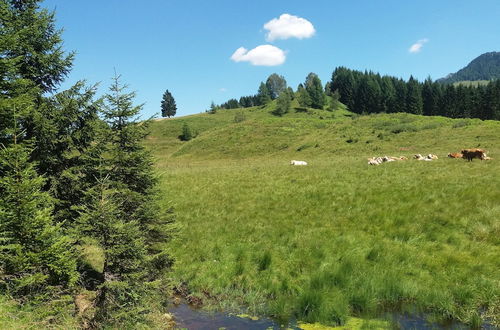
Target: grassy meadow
point(336, 238)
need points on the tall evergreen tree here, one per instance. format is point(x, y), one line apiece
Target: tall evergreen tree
point(276, 84)
point(303, 96)
point(314, 88)
point(122, 211)
point(168, 106)
point(429, 98)
point(414, 102)
point(283, 103)
point(263, 95)
point(35, 254)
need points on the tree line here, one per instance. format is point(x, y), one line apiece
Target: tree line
point(368, 92)
point(311, 94)
point(73, 174)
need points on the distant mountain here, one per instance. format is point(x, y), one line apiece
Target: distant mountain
point(483, 67)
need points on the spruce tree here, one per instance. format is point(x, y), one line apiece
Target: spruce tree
point(168, 106)
point(263, 95)
point(36, 256)
point(303, 96)
point(186, 133)
point(414, 102)
point(121, 210)
point(283, 104)
point(314, 88)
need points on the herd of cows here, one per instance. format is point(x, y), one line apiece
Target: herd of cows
point(468, 154)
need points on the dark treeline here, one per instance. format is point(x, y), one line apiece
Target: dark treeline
point(368, 92)
point(74, 178)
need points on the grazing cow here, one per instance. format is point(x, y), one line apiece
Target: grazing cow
point(455, 155)
point(470, 154)
point(432, 157)
point(298, 162)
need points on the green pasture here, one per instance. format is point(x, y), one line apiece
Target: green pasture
point(336, 238)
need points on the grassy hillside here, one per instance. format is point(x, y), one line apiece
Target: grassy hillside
point(338, 237)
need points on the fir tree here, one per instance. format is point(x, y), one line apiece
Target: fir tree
point(303, 96)
point(263, 94)
point(121, 211)
point(283, 104)
point(186, 133)
point(314, 88)
point(168, 106)
point(36, 255)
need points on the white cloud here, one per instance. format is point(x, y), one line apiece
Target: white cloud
point(222, 90)
point(265, 55)
point(417, 47)
point(288, 26)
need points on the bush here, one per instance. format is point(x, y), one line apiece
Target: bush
point(187, 134)
point(239, 117)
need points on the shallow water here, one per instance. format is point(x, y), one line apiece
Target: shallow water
point(190, 318)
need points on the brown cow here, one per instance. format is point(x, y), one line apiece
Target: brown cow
point(470, 154)
point(455, 155)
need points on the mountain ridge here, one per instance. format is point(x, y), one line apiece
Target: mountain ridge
point(484, 67)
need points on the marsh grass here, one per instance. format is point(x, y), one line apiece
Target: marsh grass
point(336, 238)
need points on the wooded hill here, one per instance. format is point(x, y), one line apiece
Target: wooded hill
point(483, 67)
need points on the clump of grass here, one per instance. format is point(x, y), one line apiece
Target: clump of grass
point(304, 146)
point(264, 261)
point(461, 123)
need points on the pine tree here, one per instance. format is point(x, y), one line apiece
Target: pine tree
point(168, 106)
point(186, 133)
point(36, 256)
point(414, 102)
point(121, 210)
point(31, 46)
point(283, 104)
point(303, 97)
point(314, 88)
point(263, 94)
point(124, 252)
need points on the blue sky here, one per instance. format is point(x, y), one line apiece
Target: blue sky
point(186, 46)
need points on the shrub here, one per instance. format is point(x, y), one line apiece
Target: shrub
point(239, 117)
point(187, 134)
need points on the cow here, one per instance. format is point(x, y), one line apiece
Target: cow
point(298, 162)
point(432, 157)
point(470, 154)
point(455, 155)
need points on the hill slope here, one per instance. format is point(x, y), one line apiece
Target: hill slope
point(483, 67)
point(335, 238)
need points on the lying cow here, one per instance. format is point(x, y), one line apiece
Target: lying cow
point(455, 155)
point(470, 154)
point(298, 162)
point(385, 159)
point(428, 158)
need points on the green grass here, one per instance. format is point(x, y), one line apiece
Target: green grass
point(57, 314)
point(336, 238)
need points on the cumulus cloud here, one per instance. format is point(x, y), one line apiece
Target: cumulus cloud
point(265, 55)
point(417, 47)
point(289, 26)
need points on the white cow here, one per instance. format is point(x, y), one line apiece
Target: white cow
point(298, 162)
